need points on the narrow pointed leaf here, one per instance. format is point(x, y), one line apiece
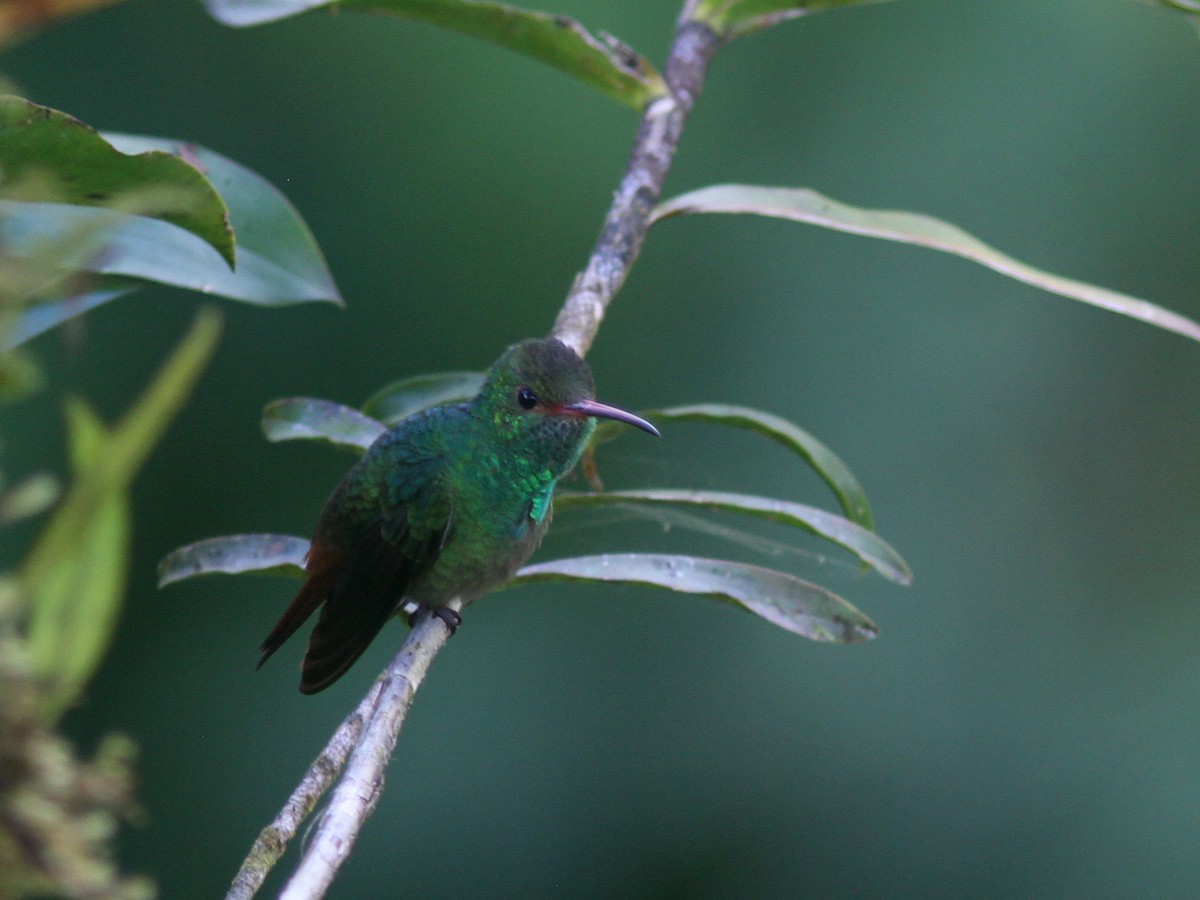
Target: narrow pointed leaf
point(401, 399)
point(864, 544)
point(804, 205)
point(827, 464)
point(737, 17)
point(268, 554)
point(602, 62)
point(308, 418)
point(78, 166)
point(141, 428)
point(782, 599)
point(73, 577)
point(43, 316)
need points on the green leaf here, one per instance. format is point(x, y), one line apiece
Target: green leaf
point(44, 316)
point(804, 205)
point(781, 599)
point(601, 62)
point(826, 463)
point(307, 418)
point(42, 146)
point(73, 576)
point(401, 399)
point(864, 544)
point(285, 264)
point(269, 554)
point(279, 261)
point(731, 18)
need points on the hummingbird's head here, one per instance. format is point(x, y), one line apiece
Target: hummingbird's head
point(542, 391)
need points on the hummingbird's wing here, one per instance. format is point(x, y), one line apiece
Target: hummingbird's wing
point(371, 582)
point(381, 530)
point(366, 583)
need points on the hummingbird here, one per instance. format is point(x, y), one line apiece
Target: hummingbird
point(444, 506)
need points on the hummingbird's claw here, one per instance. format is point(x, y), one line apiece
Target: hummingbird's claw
point(445, 613)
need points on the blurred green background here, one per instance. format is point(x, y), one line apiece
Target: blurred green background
point(1028, 722)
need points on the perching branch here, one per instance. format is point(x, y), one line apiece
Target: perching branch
point(374, 727)
point(273, 839)
point(629, 216)
point(357, 793)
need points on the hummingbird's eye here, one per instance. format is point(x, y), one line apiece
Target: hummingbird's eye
point(527, 398)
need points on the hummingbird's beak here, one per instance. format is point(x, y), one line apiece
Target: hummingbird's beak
point(604, 411)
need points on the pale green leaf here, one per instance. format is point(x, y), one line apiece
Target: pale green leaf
point(135, 435)
point(268, 554)
point(782, 599)
point(285, 263)
point(73, 576)
point(278, 262)
point(69, 634)
point(824, 461)
point(864, 544)
point(601, 62)
point(804, 205)
point(44, 316)
point(308, 418)
point(401, 399)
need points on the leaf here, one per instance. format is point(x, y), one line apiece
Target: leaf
point(781, 599)
point(804, 205)
point(401, 399)
point(78, 166)
point(269, 554)
point(732, 18)
point(826, 463)
point(1185, 6)
point(279, 261)
point(20, 375)
point(864, 544)
point(601, 62)
point(283, 253)
point(73, 576)
point(44, 316)
point(308, 418)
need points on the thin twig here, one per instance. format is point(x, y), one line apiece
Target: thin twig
point(383, 709)
point(273, 839)
point(625, 226)
point(358, 791)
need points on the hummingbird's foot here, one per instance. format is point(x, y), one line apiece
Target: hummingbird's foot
point(445, 613)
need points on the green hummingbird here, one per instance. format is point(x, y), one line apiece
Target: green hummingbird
point(447, 505)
